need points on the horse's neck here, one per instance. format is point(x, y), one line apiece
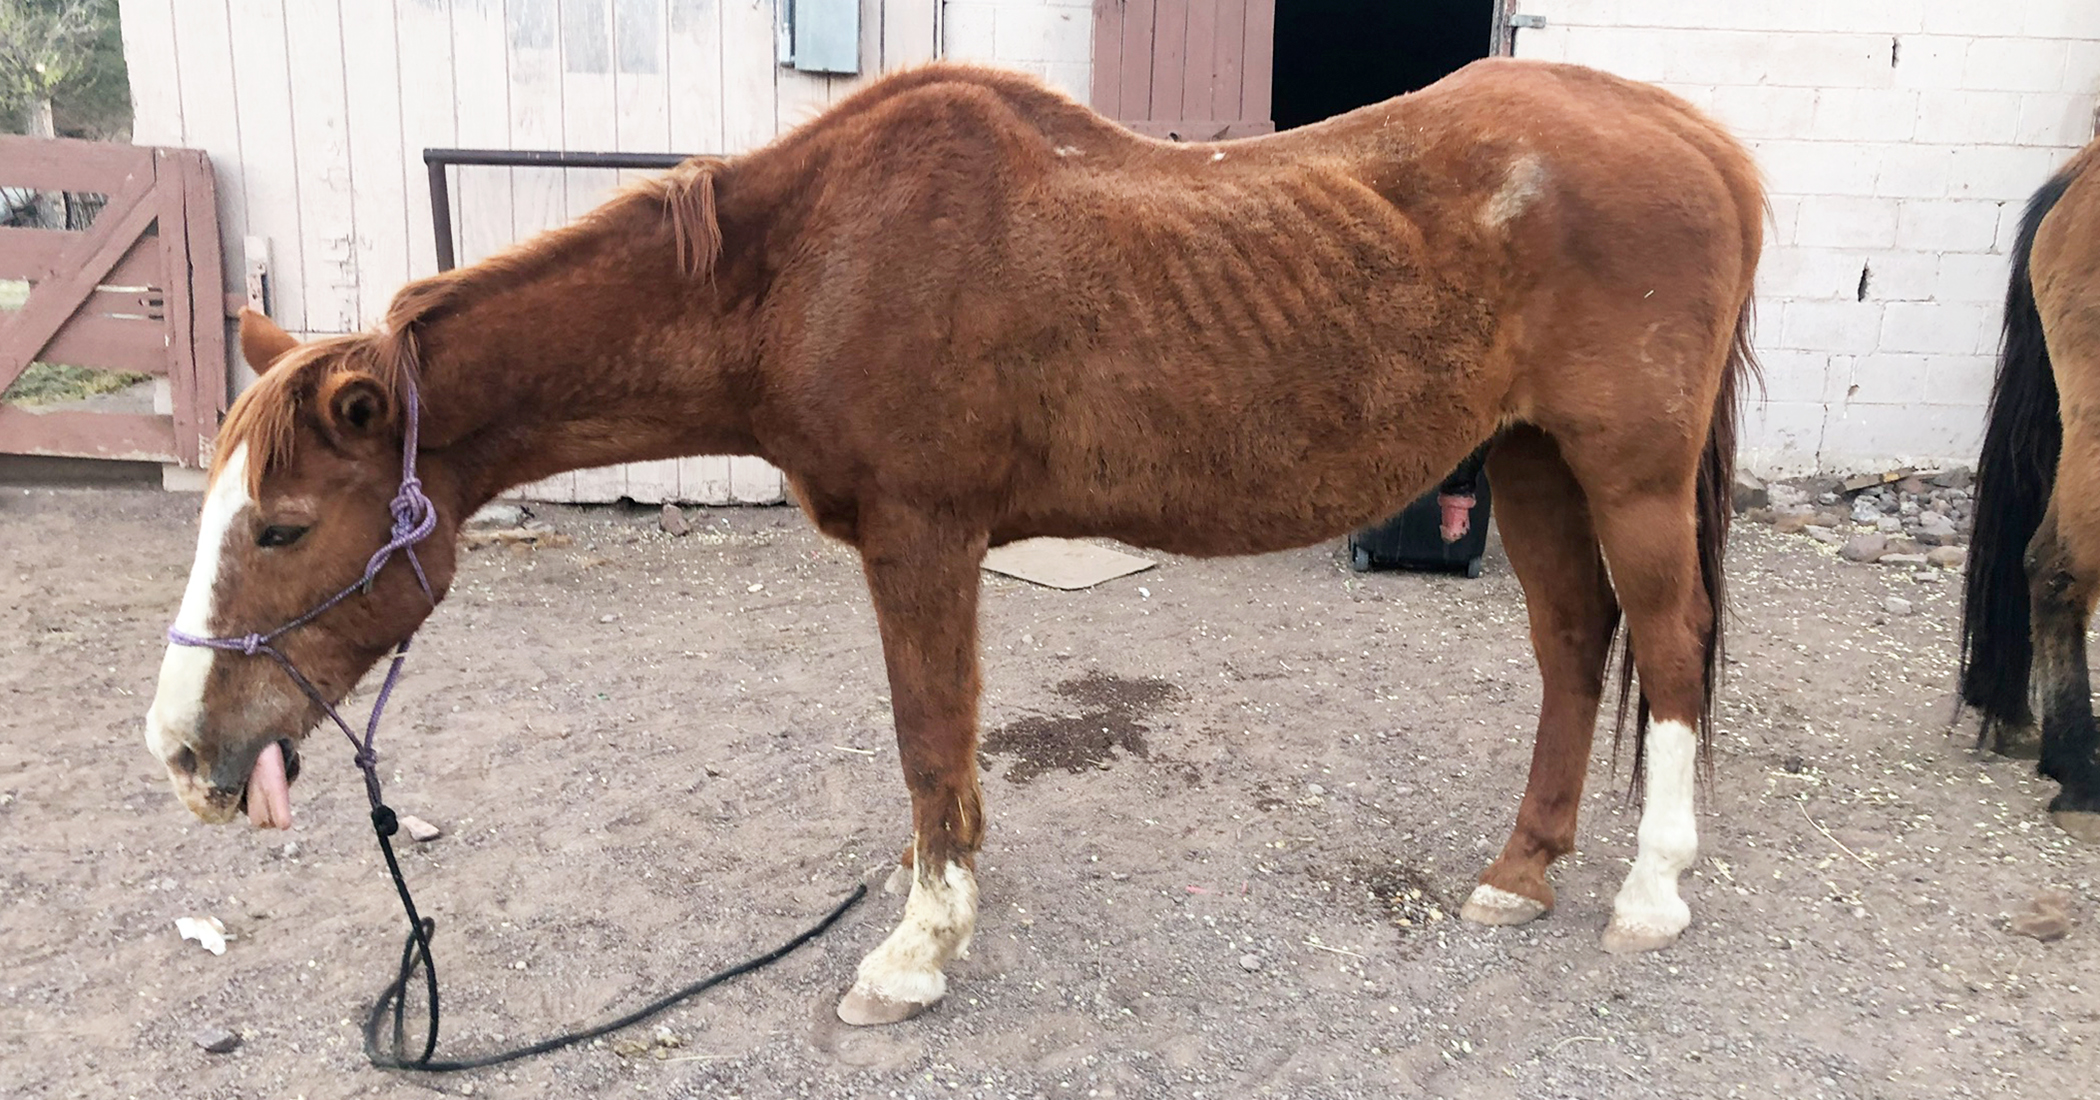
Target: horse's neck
point(601, 357)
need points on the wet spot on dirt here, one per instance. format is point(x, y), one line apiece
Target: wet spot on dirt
point(1108, 714)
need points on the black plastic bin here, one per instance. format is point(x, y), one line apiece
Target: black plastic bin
point(1414, 539)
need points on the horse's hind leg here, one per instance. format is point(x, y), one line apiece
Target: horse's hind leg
point(1650, 533)
point(1546, 531)
point(923, 578)
point(2063, 572)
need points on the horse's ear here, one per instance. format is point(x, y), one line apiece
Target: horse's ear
point(262, 341)
point(354, 406)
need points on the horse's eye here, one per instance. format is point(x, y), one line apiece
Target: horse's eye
point(275, 535)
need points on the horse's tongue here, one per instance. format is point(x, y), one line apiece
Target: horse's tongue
point(269, 792)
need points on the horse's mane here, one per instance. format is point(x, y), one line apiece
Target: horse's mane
point(266, 416)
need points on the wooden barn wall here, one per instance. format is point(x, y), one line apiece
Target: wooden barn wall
point(316, 113)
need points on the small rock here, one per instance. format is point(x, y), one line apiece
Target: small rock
point(1793, 765)
point(608, 618)
point(1914, 485)
point(673, 522)
point(498, 514)
point(667, 1038)
point(630, 1048)
point(1826, 536)
point(1794, 524)
point(2048, 918)
point(1864, 548)
point(1912, 560)
point(217, 1040)
point(1896, 605)
point(418, 829)
point(1948, 557)
point(1888, 525)
point(1250, 963)
point(1826, 497)
point(1866, 509)
point(1750, 492)
point(1960, 477)
point(1315, 789)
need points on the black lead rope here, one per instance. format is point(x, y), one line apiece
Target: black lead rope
point(415, 518)
point(415, 955)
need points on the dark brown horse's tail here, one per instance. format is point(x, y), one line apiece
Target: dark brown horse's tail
point(2014, 475)
point(1716, 506)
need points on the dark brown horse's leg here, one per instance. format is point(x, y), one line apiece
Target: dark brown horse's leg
point(1650, 537)
point(1546, 531)
point(2063, 583)
point(923, 577)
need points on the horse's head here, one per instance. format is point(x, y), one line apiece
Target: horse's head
point(298, 501)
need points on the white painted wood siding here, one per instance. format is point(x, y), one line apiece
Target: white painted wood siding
point(316, 114)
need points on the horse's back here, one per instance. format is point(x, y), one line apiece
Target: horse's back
point(1130, 334)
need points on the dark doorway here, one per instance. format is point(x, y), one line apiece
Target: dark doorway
point(1334, 56)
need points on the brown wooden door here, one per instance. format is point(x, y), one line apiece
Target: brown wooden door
point(137, 291)
point(1190, 70)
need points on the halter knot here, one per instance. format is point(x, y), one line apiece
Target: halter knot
point(250, 644)
point(414, 517)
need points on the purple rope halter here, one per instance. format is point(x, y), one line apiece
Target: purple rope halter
point(414, 520)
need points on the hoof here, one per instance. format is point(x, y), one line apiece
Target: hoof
point(863, 1008)
point(2083, 825)
point(1633, 939)
point(2019, 741)
point(1496, 906)
point(899, 880)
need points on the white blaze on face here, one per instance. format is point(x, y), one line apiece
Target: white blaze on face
point(178, 703)
point(1648, 905)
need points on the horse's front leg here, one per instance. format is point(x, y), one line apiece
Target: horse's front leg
point(923, 577)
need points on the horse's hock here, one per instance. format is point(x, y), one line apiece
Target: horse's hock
point(112, 313)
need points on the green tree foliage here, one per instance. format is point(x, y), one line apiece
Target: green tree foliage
point(62, 66)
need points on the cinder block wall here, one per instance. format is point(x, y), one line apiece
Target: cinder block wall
point(1053, 39)
point(1900, 140)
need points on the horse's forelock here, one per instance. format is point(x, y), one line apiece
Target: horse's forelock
point(266, 416)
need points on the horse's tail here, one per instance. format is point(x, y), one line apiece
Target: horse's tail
point(2014, 475)
point(1716, 507)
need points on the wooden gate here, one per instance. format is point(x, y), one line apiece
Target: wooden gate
point(138, 290)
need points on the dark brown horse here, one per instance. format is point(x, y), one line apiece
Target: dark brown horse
point(2034, 568)
point(960, 309)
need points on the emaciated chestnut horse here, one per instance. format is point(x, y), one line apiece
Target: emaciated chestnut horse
point(2034, 568)
point(960, 309)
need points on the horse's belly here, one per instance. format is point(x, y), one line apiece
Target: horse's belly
point(1206, 509)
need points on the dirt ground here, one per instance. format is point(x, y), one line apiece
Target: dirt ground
point(1233, 807)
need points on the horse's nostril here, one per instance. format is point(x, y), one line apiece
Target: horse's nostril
point(185, 761)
